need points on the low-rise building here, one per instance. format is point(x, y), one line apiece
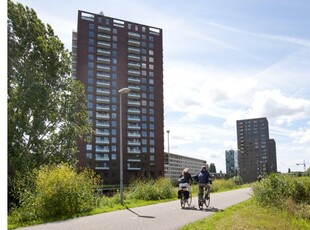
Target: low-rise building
point(174, 165)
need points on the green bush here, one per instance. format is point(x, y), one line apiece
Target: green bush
point(149, 189)
point(59, 191)
point(284, 192)
point(222, 185)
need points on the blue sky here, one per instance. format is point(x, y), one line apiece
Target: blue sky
point(224, 60)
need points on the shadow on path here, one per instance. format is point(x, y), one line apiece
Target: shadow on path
point(138, 214)
point(209, 209)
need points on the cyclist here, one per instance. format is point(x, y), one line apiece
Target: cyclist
point(204, 179)
point(185, 180)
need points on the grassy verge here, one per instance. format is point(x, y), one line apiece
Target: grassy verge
point(249, 215)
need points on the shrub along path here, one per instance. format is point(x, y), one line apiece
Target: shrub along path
point(159, 216)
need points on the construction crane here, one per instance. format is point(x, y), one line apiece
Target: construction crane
point(304, 164)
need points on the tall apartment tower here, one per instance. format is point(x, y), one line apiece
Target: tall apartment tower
point(110, 54)
point(255, 156)
point(231, 162)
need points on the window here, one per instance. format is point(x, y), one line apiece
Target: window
point(90, 97)
point(90, 81)
point(152, 150)
point(91, 34)
point(151, 52)
point(89, 147)
point(90, 73)
point(89, 156)
point(113, 148)
point(91, 26)
point(113, 156)
point(90, 65)
point(91, 41)
point(90, 105)
point(90, 89)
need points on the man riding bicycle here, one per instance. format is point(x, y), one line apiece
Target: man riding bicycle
point(204, 179)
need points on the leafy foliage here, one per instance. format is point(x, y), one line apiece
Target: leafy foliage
point(149, 189)
point(212, 168)
point(58, 191)
point(46, 108)
point(285, 192)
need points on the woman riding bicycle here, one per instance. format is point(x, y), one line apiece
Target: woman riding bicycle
point(185, 180)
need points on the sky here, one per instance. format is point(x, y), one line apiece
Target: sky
point(224, 61)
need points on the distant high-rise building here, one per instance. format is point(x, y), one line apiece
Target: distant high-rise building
point(110, 54)
point(273, 156)
point(255, 154)
point(231, 162)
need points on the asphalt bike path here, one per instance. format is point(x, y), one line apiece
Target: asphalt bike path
point(163, 216)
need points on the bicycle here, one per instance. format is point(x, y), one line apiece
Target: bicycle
point(185, 197)
point(204, 199)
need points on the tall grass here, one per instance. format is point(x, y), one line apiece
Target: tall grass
point(150, 189)
point(286, 193)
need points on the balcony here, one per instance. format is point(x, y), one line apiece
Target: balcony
point(134, 103)
point(105, 68)
point(133, 35)
point(102, 150)
point(134, 143)
point(100, 158)
point(103, 44)
point(103, 99)
point(103, 52)
point(100, 140)
point(133, 150)
point(133, 80)
point(103, 83)
point(104, 28)
point(101, 132)
point(103, 75)
point(133, 57)
point(133, 118)
point(133, 134)
point(134, 72)
point(103, 115)
point(135, 127)
point(133, 50)
point(134, 87)
point(102, 107)
point(104, 37)
point(103, 60)
point(134, 95)
point(135, 65)
point(134, 110)
point(102, 124)
point(102, 91)
point(132, 42)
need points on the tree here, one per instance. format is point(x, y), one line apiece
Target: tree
point(212, 168)
point(46, 108)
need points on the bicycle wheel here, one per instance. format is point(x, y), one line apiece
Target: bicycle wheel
point(182, 200)
point(189, 200)
point(200, 202)
point(207, 201)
